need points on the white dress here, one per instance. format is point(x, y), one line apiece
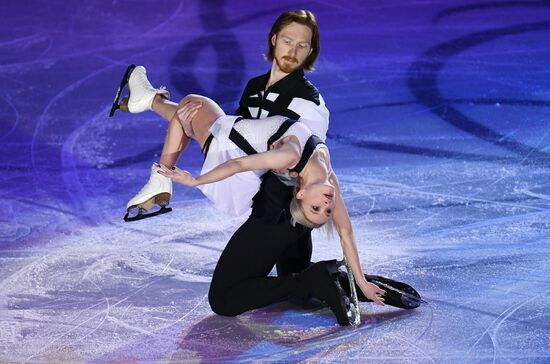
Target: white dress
point(233, 195)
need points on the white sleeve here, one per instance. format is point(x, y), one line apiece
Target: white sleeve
point(315, 117)
point(301, 132)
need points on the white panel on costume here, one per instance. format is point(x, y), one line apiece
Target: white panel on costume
point(234, 194)
point(264, 114)
point(255, 96)
point(253, 111)
point(315, 117)
point(272, 96)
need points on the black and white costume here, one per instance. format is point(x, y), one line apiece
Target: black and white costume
point(234, 194)
point(293, 96)
point(240, 281)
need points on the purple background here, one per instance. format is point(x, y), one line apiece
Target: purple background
point(440, 122)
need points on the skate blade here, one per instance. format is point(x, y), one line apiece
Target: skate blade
point(141, 211)
point(123, 84)
point(351, 303)
point(136, 214)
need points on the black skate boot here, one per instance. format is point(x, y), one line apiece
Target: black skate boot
point(398, 294)
point(321, 282)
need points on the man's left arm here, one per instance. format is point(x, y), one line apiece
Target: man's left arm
point(313, 113)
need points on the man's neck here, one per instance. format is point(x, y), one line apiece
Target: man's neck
point(275, 75)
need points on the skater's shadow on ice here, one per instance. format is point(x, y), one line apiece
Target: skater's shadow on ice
point(282, 327)
point(380, 318)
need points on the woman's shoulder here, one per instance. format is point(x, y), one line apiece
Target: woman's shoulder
point(323, 154)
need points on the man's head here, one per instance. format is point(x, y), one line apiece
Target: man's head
point(294, 41)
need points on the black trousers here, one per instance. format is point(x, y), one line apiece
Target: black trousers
point(240, 282)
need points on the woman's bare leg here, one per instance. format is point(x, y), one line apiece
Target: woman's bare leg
point(205, 117)
point(175, 143)
point(176, 140)
point(164, 107)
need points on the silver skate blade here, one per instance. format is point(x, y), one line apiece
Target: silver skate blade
point(136, 214)
point(352, 303)
point(123, 84)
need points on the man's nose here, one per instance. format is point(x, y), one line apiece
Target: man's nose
point(293, 50)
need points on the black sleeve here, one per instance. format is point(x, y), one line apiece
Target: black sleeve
point(242, 110)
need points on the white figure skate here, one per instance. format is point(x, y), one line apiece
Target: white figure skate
point(140, 91)
point(157, 191)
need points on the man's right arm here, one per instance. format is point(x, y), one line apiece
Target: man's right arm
point(243, 110)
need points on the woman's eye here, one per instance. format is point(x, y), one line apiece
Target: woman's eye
point(329, 211)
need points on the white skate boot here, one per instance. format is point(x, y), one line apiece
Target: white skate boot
point(140, 91)
point(158, 190)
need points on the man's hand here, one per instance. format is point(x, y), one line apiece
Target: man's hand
point(186, 113)
point(179, 175)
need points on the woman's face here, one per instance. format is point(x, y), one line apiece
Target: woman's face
point(317, 202)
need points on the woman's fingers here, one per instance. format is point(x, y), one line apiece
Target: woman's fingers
point(165, 171)
point(178, 175)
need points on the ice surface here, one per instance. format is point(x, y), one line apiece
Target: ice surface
point(440, 134)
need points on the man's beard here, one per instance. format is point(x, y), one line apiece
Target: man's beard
point(288, 67)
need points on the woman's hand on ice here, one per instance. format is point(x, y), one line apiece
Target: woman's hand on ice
point(373, 293)
point(179, 175)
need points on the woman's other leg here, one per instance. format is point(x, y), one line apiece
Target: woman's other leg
point(164, 107)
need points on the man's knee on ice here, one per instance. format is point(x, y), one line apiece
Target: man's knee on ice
point(219, 305)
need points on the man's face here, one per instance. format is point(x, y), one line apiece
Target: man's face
point(292, 47)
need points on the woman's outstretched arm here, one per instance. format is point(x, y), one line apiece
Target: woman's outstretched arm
point(283, 157)
point(343, 225)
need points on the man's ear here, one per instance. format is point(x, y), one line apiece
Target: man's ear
point(273, 39)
